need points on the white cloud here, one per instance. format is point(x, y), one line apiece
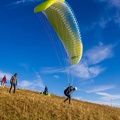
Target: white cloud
point(80, 70)
point(88, 67)
point(100, 88)
point(25, 84)
point(31, 84)
point(96, 70)
point(85, 71)
point(98, 53)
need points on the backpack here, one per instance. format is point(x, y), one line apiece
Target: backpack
point(11, 80)
point(68, 90)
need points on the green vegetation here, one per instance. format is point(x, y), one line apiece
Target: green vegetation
point(30, 105)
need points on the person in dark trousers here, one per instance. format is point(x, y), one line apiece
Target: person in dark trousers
point(13, 82)
point(45, 91)
point(68, 92)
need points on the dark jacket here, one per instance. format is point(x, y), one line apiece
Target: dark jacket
point(46, 89)
point(68, 90)
point(13, 80)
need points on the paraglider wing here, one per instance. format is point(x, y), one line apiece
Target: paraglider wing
point(65, 24)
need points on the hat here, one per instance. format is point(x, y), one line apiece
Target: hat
point(75, 88)
point(15, 74)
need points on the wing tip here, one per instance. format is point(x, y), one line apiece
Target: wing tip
point(43, 6)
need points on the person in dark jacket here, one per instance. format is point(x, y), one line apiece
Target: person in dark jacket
point(45, 91)
point(13, 82)
point(3, 81)
point(68, 92)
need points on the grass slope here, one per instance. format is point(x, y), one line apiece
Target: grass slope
point(30, 105)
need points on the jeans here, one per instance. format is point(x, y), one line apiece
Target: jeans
point(12, 85)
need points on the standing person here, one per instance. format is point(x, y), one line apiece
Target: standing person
point(3, 81)
point(13, 82)
point(68, 92)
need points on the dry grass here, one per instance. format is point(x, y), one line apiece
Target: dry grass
point(30, 105)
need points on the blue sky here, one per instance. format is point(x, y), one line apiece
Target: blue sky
point(27, 47)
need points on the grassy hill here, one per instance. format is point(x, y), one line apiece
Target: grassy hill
point(30, 105)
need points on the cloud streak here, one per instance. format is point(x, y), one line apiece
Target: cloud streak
point(111, 4)
point(109, 13)
point(100, 88)
point(22, 2)
point(106, 96)
point(99, 53)
point(114, 3)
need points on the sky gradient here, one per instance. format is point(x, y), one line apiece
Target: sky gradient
point(30, 47)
